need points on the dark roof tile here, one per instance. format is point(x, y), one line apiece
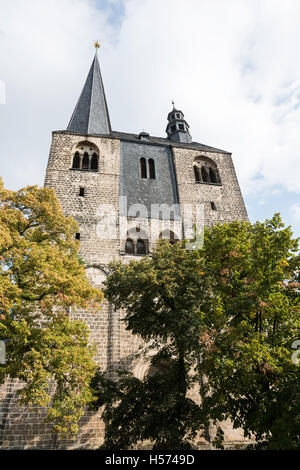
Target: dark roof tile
point(91, 113)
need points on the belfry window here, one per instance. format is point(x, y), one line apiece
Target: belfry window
point(85, 161)
point(197, 174)
point(212, 176)
point(86, 157)
point(206, 171)
point(204, 175)
point(76, 161)
point(151, 168)
point(94, 162)
point(143, 168)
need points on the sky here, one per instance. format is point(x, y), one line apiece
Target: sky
point(232, 67)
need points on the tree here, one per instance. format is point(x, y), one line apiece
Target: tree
point(41, 278)
point(151, 409)
point(163, 297)
point(228, 312)
point(248, 362)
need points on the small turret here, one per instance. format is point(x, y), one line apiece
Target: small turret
point(178, 128)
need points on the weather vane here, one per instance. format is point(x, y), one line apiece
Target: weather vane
point(97, 45)
point(173, 104)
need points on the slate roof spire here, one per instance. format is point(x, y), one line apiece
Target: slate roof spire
point(91, 115)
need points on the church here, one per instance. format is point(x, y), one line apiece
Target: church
point(126, 191)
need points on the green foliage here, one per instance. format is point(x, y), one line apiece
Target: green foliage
point(151, 409)
point(41, 278)
point(163, 297)
point(255, 269)
point(228, 312)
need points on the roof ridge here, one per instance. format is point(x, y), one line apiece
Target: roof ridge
point(92, 90)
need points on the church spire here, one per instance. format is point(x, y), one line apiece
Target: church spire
point(91, 112)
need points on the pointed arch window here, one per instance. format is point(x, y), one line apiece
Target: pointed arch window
point(151, 164)
point(143, 166)
point(94, 162)
point(85, 161)
point(76, 161)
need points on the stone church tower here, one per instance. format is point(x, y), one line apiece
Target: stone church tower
point(125, 191)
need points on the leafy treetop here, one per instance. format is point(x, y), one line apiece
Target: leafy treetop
point(41, 278)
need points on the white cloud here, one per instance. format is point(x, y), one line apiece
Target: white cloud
point(45, 53)
point(295, 211)
point(2, 92)
point(227, 64)
point(232, 66)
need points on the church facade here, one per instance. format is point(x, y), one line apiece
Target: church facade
point(126, 191)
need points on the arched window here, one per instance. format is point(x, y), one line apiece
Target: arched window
point(159, 368)
point(143, 168)
point(86, 156)
point(76, 161)
point(136, 243)
point(206, 170)
point(85, 161)
point(140, 247)
point(213, 176)
point(94, 162)
point(151, 168)
point(169, 235)
point(172, 238)
point(204, 175)
point(197, 174)
point(129, 246)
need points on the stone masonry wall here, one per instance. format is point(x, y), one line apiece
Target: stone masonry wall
point(226, 196)
point(21, 427)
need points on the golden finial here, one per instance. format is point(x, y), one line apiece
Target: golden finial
point(97, 45)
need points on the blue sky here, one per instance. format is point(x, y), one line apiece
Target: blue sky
point(232, 66)
point(115, 9)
